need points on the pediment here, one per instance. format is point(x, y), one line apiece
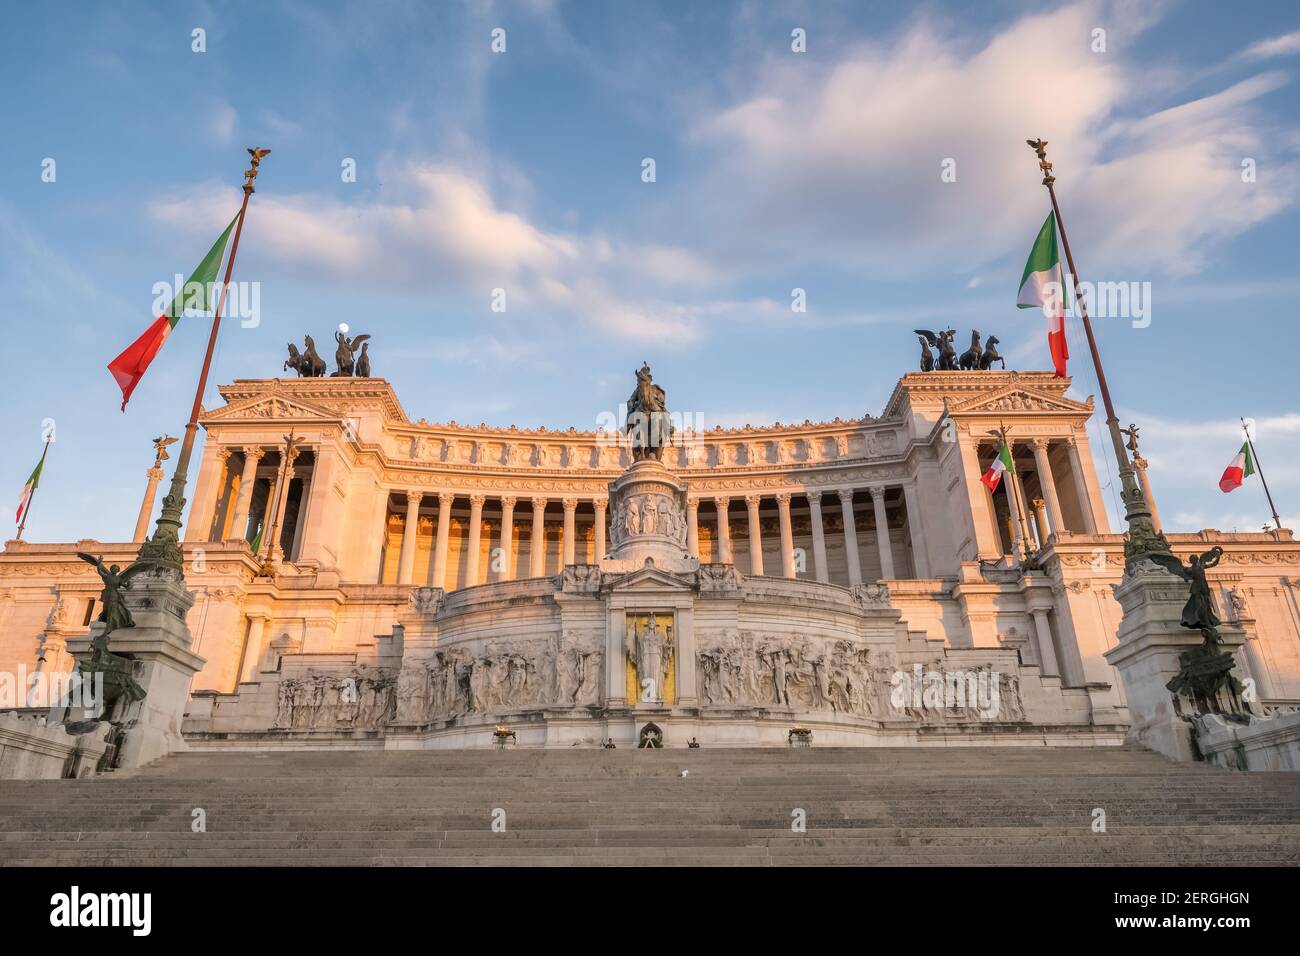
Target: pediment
point(272, 408)
point(1017, 398)
point(650, 578)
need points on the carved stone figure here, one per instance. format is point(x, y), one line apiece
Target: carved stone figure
point(359, 700)
point(649, 651)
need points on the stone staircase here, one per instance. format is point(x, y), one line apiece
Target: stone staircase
point(917, 806)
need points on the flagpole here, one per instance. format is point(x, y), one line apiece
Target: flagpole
point(1277, 522)
point(164, 548)
point(1019, 519)
point(1143, 538)
point(41, 467)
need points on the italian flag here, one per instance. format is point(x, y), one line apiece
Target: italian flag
point(129, 367)
point(1002, 463)
point(1041, 287)
point(1239, 469)
point(29, 489)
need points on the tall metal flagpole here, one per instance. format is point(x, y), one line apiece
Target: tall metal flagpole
point(1277, 522)
point(164, 548)
point(1143, 538)
point(49, 437)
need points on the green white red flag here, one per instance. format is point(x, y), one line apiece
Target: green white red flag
point(29, 489)
point(1001, 464)
point(197, 293)
point(1239, 469)
point(1041, 287)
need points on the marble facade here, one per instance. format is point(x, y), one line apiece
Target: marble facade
point(432, 581)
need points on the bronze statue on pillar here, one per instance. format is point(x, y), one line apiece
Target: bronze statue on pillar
point(648, 424)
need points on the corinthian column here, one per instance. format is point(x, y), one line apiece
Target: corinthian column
point(601, 505)
point(445, 499)
point(507, 537)
point(850, 537)
point(239, 525)
point(693, 527)
point(819, 535)
point(154, 475)
point(1048, 484)
point(755, 535)
point(724, 530)
point(882, 532)
point(475, 533)
point(406, 560)
point(567, 548)
point(787, 535)
point(537, 555)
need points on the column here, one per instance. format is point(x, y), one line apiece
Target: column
point(281, 506)
point(445, 498)
point(206, 488)
point(1048, 485)
point(1008, 487)
point(693, 527)
point(239, 526)
point(567, 546)
point(1081, 488)
point(538, 554)
point(1040, 520)
point(1046, 650)
point(983, 516)
point(882, 533)
point(154, 475)
point(321, 521)
point(1140, 465)
point(253, 646)
point(819, 536)
point(507, 538)
point(787, 534)
point(600, 504)
point(475, 533)
point(850, 537)
point(724, 530)
point(406, 562)
point(916, 528)
point(755, 535)
point(1022, 508)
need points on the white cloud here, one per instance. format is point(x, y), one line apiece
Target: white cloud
point(1283, 45)
point(222, 119)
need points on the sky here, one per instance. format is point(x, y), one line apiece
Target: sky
point(881, 169)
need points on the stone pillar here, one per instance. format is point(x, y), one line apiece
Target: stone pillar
point(787, 535)
point(507, 537)
point(916, 528)
point(1140, 465)
point(601, 505)
point(882, 532)
point(154, 475)
point(475, 534)
point(406, 562)
point(755, 535)
point(1081, 488)
point(239, 526)
point(1015, 521)
point(321, 520)
point(221, 504)
point(281, 506)
point(850, 537)
point(254, 647)
point(988, 541)
point(537, 557)
point(206, 487)
point(445, 499)
point(567, 547)
point(693, 527)
point(819, 536)
point(1048, 484)
point(1040, 520)
point(724, 530)
point(1046, 649)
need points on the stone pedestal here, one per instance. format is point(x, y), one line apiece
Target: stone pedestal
point(647, 508)
point(161, 643)
point(1151, 641)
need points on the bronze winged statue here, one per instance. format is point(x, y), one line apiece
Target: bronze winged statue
point(1198, 613)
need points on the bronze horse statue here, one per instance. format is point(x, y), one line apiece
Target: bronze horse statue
point(310, 364)
point(970, 359)
point(991, 355)
point(943, 342)
point(648, 425)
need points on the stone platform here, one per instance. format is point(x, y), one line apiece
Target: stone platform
point(955, 806)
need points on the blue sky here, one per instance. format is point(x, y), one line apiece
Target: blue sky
point(775, 170)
